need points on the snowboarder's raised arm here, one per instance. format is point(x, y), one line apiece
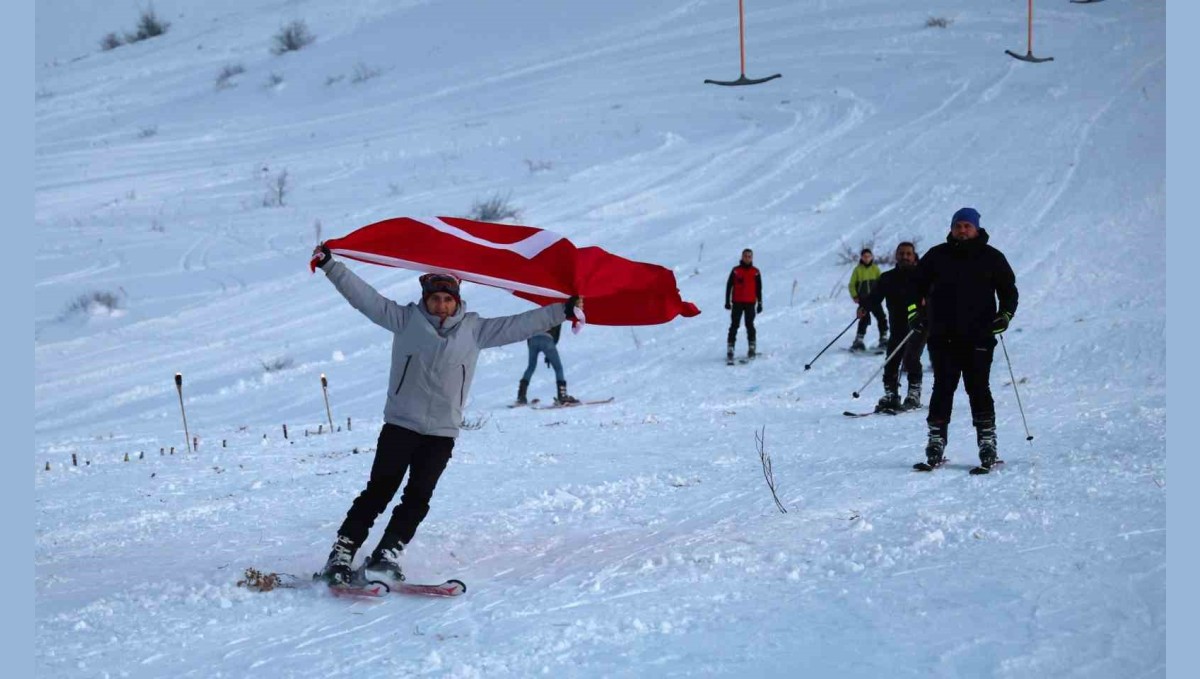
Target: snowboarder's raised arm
point(494, 332)
point(384, 312)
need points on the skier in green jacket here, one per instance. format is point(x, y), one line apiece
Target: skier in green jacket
point(862, 284)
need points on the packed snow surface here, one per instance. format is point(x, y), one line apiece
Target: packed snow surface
point(636, 538)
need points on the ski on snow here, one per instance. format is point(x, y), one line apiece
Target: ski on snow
point(849, 413)
point(376, 589)
point(555, 406)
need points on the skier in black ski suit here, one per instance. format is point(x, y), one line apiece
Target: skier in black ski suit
point(898, 288)
point(435, 347)
point(961, 281)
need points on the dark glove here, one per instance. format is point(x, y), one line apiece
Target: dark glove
point(548, 363)
point(861, 313)
point(916, 319)
point(322, 255)
point(758, 309)
point(1000, 322)
point(728, 306)
point(572, 302)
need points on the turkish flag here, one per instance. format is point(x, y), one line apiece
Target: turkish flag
point(534, 264)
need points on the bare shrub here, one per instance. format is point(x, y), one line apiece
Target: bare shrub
point(849, 255)
point(97, 301)
point(273, 80)
point(938, 22)
point(494, 209)
point(363, 73)
point(476, 423)
point(274, 365)
point(225, 76)
point(147, 131)
point(148, 26)
point(334, 79)
point(111, 41)
point(760, 443)
point(292, 37)
point(277, 190)
point(536, 166)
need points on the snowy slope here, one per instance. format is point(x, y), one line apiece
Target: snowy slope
point(636, 538)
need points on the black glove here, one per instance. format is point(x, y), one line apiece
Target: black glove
point(916, 319)
point(1000, 322)
point(548, 363)
point(728, 306)
point(572, 302)
point(322, 255)
point(758, 309)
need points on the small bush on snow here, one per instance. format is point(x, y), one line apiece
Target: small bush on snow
point(292, 37)
point(494, 209)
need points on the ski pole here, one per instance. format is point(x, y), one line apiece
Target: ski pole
point(885, 361)
point(325, 390)
point(187, 439)
point(814, 360)
point(1028, 436)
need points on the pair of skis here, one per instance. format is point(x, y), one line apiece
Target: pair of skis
point(975, 471)
point(536, 404)
point(374, 589)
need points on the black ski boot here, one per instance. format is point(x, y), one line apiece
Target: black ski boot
point(752, 353)
point(883, 341)
point(523, 392)
point(384, 563)
point(985, 436)
point(935, 449)
point(858, 345)
point(913, 400)
point(563, 398)
point(890, 403)
point(729, 354)
point(337, 569)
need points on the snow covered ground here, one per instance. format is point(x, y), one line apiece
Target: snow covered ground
point(636, 538)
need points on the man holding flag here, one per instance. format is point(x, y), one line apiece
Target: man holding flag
point(434, 351)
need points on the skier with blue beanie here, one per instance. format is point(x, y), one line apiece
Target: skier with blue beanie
point(970, 296)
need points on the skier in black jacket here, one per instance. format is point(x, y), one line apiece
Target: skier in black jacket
point(898, 288)
point(961, 281)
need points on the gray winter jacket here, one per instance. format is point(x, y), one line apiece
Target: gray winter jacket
point(432, 366)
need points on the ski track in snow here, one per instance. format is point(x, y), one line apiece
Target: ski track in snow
point(635, 538)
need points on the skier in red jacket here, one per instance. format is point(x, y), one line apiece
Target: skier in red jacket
point(743, 295)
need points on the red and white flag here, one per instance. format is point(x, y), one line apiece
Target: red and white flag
point(534, 264)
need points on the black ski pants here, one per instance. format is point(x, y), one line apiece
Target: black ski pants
point(741, 309)
point(399, 450)
point(880, 320)
point(910, 357)
point(969, 360)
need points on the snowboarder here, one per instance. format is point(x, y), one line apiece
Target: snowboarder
point(545, 343)
point(743, 295)
point(960, 281)
point(862, 283)
point(435, 347)
point(897, 288)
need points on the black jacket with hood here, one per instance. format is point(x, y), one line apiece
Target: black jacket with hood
point(961, 282)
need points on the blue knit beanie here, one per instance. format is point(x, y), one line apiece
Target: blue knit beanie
point(966, 214)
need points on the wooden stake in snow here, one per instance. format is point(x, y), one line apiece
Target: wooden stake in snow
point(325, 390)
point(179, 388)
